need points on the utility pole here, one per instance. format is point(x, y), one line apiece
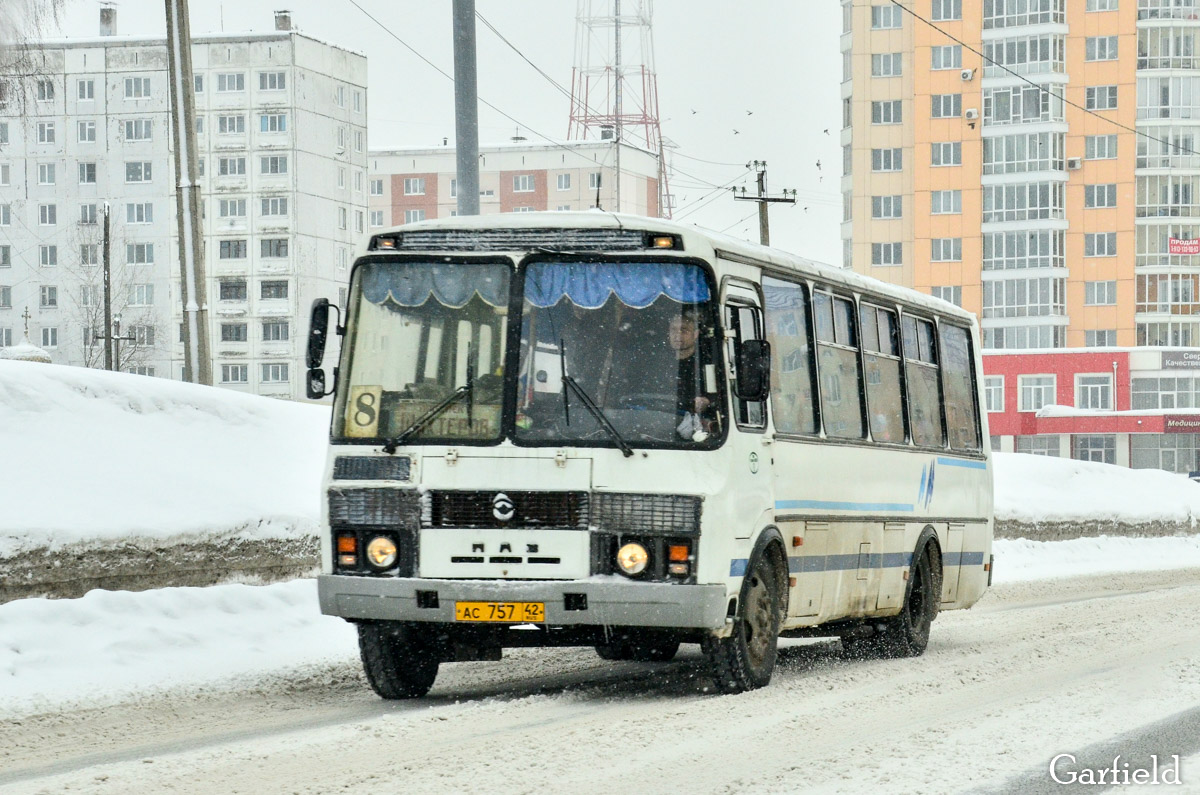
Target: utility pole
point(617, 98)
point(112, 341)
point(466, 108)
point(787, 197)
point(108, 357)
point(197, 363)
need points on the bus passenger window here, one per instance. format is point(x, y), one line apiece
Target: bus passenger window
point(924, 393)
point(881, 354)
point(959, 385)
point(792, 386)
point(837, 363)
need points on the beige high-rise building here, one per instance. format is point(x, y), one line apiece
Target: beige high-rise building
point(1014, 184)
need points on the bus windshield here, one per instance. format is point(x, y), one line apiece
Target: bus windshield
point(421, 332)
point(638, 341)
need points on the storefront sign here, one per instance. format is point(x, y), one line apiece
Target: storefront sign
point(1177, 246)
point(1181, 423)
point(1173, 360)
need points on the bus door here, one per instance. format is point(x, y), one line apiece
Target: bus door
point(748, 444)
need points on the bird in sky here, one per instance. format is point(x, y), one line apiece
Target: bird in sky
point(818, 165)
point(735, 132)
point(749, 113)
point(693, 111)
point(826, 129)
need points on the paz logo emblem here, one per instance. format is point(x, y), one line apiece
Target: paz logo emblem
point(502, 507)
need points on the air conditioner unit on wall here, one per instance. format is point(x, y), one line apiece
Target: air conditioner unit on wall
point(1074, 163)
point(971, 114)
point(967, 75)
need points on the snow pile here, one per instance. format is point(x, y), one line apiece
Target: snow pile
point(96, 456)
point(1031, 488)
point(1021, 560)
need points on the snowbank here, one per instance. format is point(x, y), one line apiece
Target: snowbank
point(92, 456)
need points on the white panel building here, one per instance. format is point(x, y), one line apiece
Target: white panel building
point(281, 123)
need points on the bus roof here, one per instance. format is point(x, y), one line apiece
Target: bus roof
point(693, 236)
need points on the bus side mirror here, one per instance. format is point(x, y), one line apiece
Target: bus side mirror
point(316, 384)
point(753, 370)
point(318, 327)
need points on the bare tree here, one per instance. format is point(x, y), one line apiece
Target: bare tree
point(23, 23)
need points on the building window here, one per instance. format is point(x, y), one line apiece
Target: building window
point(49, 336)
point(947, 153)
point(376, 187)
point(887, 159)
point(1100, 147)
point(1021, 105)
point(45, 132)
point(89, 254)
point(343, 215)
point(87, 214)
point(231, 166)
point(1093, 391)
point(232, 249)
point(887, 112)
point(139, 253)
point(1015, 250)
point(272, 81)
point(235, 81)
point(142, 335)
point(887, 206)
point(887, 253)
point(275, 164)
point(1024, 297)
point(45, 90)
point(1014, 154)
point(231, 208)
point(1101, 5)
point(273, 206)
point(48, 256)
point(274, 247)
point(5, 298)
point(137, 87)
point(274, 373)
point(946, 10)
point(49, 296)
point(1100, 293)
point(885, 17)
point(949, 293)
point(232, 290)
point(946, 106)
point(275, 331)
point(376, 218)
point(47, 214)
point(231, 124)
point(414, 186)
point(138, 171)
point(1100, 195)
point(412, 216)
point(273, 290)
point(87, 132)
point(5, 176)
point(46, 174)
point(946, 249)
point(359, 140)
point(139, 213)
point(1094, 447)
point(5, 256)
point(1039, 445)
point(947, 56)
point(1101, 98)
point(272, 122)
point(1101, 48)
point(141, 294)
point(1023, 201)
point(945, 202)
point(233, 332)
point(6, 338)
point(523, 183)
point(235, 373)
point(564, 181)
point(993, 393)
point(1035, 391)
point(886, 64)
point(138, 130)
point(1100, 338)
point(86, 90)
point(5, 214)
point(1101, 244)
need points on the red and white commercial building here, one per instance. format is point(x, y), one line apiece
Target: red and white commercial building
point(1136, 407)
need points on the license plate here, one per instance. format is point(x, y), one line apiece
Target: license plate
point(503, 612)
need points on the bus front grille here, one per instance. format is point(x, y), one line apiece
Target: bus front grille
point(471, 509)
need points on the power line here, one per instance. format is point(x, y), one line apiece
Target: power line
point(1042, 88)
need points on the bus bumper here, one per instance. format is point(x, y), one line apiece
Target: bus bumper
point(568, 602)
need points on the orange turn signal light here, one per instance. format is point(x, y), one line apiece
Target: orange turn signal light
point(346, 544)
point(677, 552)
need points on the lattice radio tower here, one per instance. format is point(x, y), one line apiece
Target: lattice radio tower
point(614, 88)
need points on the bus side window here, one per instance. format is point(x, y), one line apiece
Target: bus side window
point(924, 390)
point(792, 374)
point(837, 364)
point(958, 382)
point(881, 355)
point(744, 323)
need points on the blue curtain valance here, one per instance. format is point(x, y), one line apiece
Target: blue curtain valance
point(453, 285)
point(635, 284)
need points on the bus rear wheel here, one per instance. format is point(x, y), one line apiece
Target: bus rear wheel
point(906, 634)
point(399, 661)
point(746, 659)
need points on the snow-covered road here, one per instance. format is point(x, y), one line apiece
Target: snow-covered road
point(1036, 669)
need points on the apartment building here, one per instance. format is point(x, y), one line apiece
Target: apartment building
point(416, 184)
point(281, 134)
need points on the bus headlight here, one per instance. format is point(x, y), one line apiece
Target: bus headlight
point(381, 552)
point(632, 558)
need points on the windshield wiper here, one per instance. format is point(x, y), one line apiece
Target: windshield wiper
point(467, 389)
point(588, 403)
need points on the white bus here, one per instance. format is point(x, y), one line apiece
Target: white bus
point(587, 429)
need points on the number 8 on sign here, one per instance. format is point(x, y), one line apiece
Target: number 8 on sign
point(362, 411)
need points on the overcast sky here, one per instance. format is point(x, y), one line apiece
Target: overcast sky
point(768, 69)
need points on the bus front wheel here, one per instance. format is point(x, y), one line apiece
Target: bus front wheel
point(399, 661)
point(746, 659)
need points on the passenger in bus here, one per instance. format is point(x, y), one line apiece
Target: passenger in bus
point(695, 407)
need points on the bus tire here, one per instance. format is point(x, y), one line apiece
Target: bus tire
point(654, 649)
point(746, 659)
point(907, 634)
point(616, 650)
point(398, 660)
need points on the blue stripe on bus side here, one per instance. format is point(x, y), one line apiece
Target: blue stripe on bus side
point(959, 462)
point(844, 506)
point(809, 564)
